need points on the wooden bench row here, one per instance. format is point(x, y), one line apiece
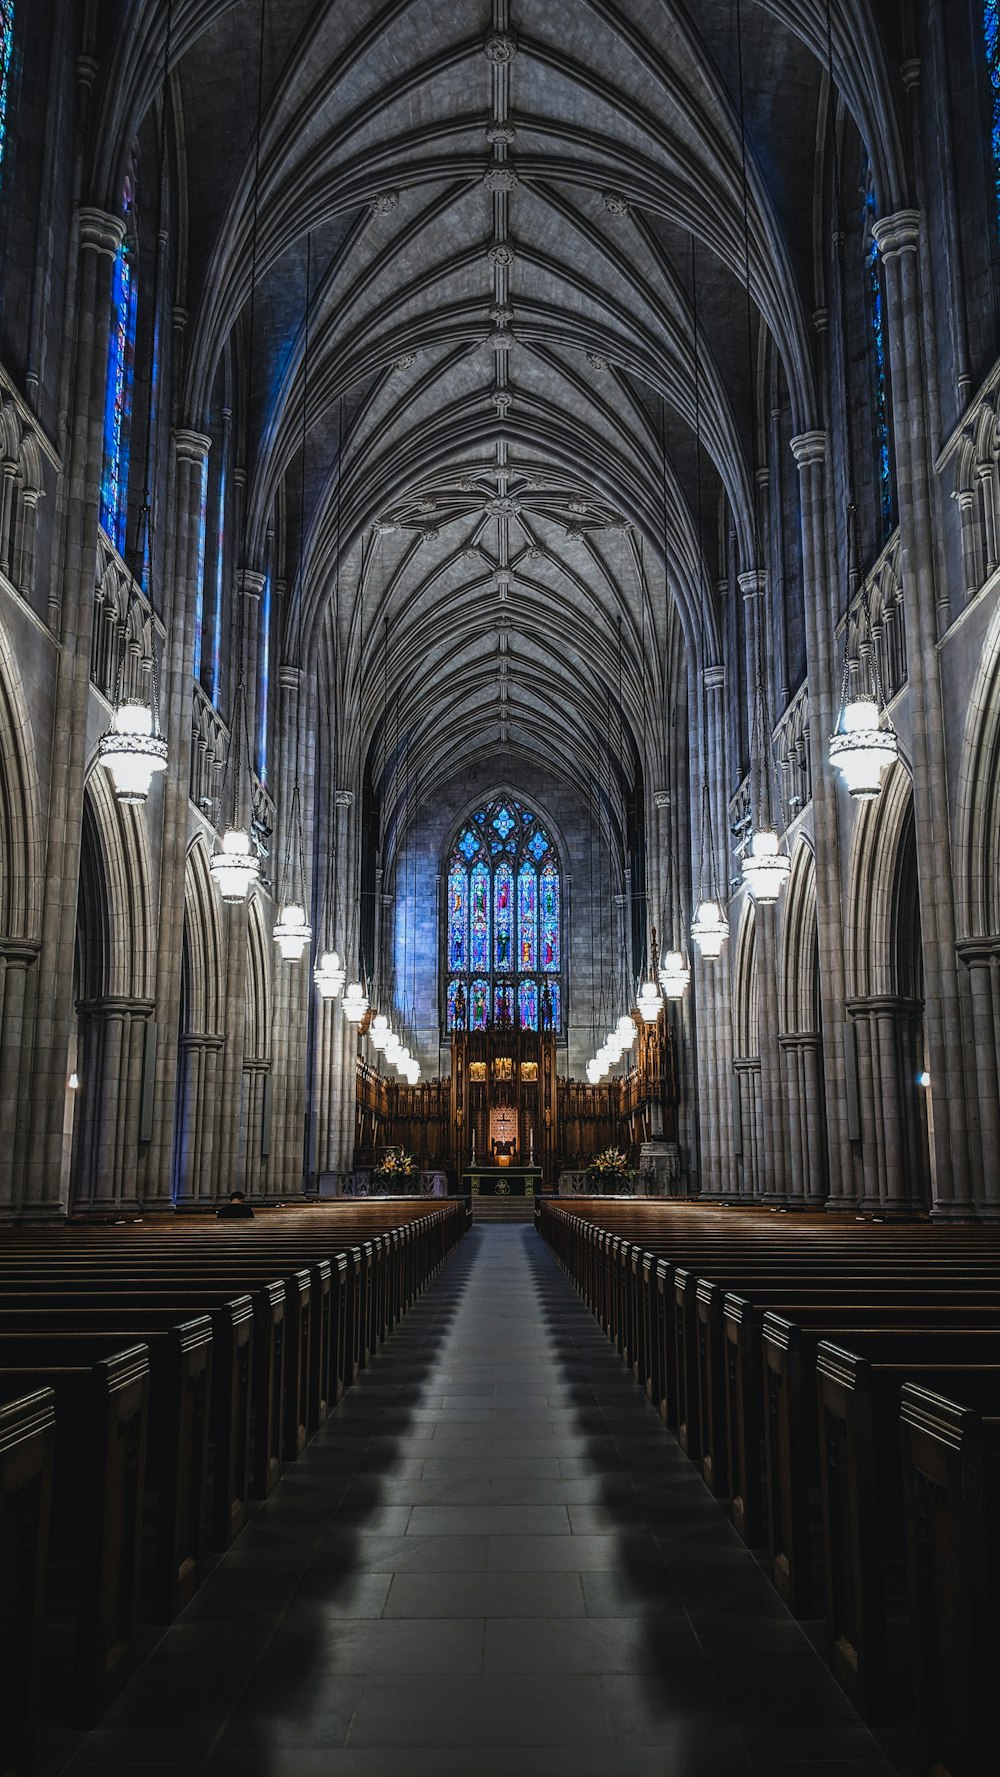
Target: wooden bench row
point(152, 1382)
point(787, 1356)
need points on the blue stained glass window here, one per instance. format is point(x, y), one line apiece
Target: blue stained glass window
point(548, 919)
point(991, 41)
point(479, 1005)
point(265, 679)
point(220, 557)
point(6, 57)
point(503, 917)
point(458, 918)
point(876, 319)
point(527, 918)
point(118, 393)
point(199, 610)
point(480, 915)
point(502, 938)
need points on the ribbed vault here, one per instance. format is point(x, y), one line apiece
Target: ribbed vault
point(500, 552)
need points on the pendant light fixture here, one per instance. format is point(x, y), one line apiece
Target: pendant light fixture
point(292, 931)
point(864, 741)
point(709, 928)
point(355, 1002)
point(766, 868)
point(133, 750)
point(235, 866)
point(650, 997)
point(329, 973)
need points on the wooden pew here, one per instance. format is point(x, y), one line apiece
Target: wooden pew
point(951, 1486)
point(95, 1549)
point(27, 1465)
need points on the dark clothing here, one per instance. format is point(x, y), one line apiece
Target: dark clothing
point(235, 1212)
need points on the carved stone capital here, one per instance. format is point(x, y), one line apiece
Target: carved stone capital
point(250, 582)
point(897, 234)
point(714, 677)
point(343, 798)
point(752, 583)
point(191, 446)
point(808, 448)
point(101, 233)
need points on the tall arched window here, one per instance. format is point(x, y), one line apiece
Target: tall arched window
point(884, 491)
point(991, 48)
point(504, 955)
point(118, 390)
point(6, 61)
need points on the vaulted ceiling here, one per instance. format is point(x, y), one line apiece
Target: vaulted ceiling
point(498, 202)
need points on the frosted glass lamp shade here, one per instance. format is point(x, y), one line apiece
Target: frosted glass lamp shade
point(627, 1030)
point(674, 975)
point(355, 1002)
point(378, 1031)
point(292, 931)
point(765, 868)
point(234, 866)
point(862, 748)
point(709, 930)
point(649, 1002)
point(329, 975)
point(131, 752)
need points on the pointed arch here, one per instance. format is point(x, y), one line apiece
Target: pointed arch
point(747, 1000)
point(202, 983)
point(977, 825)
point(20, 847)
point(883, 948)
point(257, 1027)
point(799, 983)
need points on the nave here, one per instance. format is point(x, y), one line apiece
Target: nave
point(492, 1558)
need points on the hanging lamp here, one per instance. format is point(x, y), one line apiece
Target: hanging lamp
point(133, 750)
point(293, 932)
point(674, 975)
point(329, 975)
point(863, 743)
point(355, 1002)
point(378, 1031)
point(709, 927)
point(235, 866)
point(766, 867)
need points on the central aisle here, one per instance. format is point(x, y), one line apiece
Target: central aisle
point(493, 1560)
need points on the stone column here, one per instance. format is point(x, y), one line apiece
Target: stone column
point(46, 1168)
point(898, 239)
point(16, 957)
point(177, 695)
point(336, 1048)
point(822, 615)
point(712, 980)
point(292, 980)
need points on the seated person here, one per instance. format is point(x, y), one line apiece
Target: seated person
point(237, 1209)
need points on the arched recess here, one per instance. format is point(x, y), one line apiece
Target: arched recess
point(20, 901)
point(201, 1038)
point(977, 861)
point(113, 978)
point(255, 1122)
point(801, 1036)
point(885, 1001)
point(747, 1129)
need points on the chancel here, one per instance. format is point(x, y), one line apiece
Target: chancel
point(499, 886)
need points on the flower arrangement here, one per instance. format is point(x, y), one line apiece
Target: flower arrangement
point(395, 1168)
point(610, 1171)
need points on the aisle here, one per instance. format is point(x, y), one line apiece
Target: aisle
point(493, 1560)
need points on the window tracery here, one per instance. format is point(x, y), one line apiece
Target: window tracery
point(880, 384)
point(118, 388)
point(503, 943)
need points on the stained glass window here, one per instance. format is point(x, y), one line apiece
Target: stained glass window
point(480, 920)
point(479, 1005)
point(458, 918)
point(6, 57)
point(880, 391)
point(503, 918)
point(118, 390)
point(265, 680)
point(991, 39)
point(527, 919)
point(548, 921)
point(199, 613)
point(220, 538)
point(503, 943)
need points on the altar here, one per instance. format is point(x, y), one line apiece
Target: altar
point(502, 1181)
